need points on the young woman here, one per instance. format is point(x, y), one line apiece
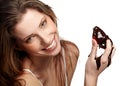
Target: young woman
point(31, 51)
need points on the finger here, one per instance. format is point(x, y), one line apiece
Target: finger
point(109, 57)
point(104, 58)
point(113, 51)
point(94, 49)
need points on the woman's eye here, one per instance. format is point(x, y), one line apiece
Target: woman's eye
point(30, 39)
point(43, 24)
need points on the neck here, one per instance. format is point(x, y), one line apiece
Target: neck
point(37, 64)
point(40, 64)
point(44, 68)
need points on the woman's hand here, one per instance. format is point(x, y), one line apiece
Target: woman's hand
point(91, 71)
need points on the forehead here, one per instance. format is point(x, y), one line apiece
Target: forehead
point(30, 20)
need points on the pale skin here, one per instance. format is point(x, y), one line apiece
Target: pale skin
point(30, 31)
point(91, 72)
point(37, 34)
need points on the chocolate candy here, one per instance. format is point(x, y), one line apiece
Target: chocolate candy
point(100, 36)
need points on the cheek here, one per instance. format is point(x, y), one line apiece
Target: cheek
point(31, 48)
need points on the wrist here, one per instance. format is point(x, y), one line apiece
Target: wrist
point(90, 80)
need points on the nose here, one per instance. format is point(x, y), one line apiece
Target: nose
point(45, 37)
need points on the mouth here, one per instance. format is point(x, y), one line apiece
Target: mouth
point(51, 47)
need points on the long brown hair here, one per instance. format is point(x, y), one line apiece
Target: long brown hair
point(11, 12)
point(11, 59)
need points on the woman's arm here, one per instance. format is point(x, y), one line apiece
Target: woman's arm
point(91, 71)
point(90, 80)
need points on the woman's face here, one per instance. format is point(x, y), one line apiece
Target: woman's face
point(37, 34)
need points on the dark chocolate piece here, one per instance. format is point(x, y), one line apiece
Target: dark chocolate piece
point(100, 36)
point(98, 62)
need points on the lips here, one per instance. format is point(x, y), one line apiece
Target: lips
point(52, 46)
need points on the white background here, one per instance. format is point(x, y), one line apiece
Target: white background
point(76, 19)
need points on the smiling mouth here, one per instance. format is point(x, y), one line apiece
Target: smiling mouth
point(52, 46)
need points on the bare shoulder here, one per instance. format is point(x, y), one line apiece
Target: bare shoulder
point(27, 79)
